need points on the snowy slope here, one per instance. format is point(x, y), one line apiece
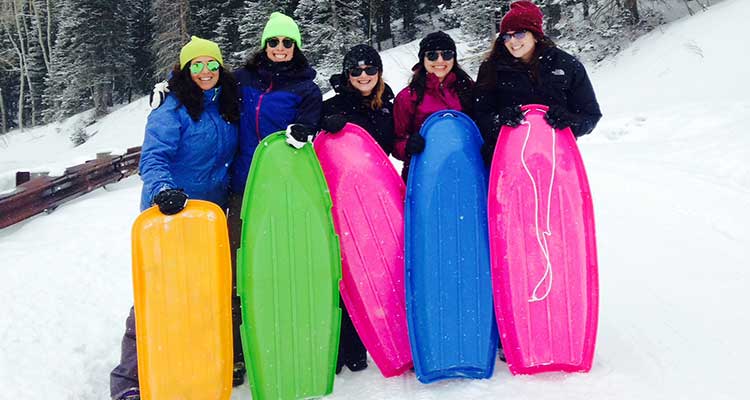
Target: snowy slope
point(671, 189)
point(48, 148)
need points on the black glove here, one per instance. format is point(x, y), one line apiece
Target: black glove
point(171, 201)
point(487, 151)
point(333, 123)
point(559, 118)
point(510, 116)
point(301, 133)
point(415, 144)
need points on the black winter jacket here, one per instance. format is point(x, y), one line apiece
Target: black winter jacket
point(356, 109)
point(562, 82)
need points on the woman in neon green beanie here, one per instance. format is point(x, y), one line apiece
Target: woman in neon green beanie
point(189, 145)
point(278, 91)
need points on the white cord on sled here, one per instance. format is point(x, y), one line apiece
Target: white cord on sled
point(541, 238)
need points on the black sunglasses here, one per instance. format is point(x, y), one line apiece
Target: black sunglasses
point(273, 42)
point(433, 55)
point(371, 70)
point(517, 35)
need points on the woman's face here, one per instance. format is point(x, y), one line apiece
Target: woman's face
point(280, 49)
point(520, 44)
point(204, 71)
point(364, 78)
point(439, 62)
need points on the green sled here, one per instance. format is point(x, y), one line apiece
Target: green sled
point(288, 272)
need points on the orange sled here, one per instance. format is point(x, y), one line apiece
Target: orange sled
point(182, 282)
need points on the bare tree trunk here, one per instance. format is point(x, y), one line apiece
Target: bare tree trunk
point(49, 32)
point(21, 59)
point(39, 34)
point(585, 8)
point(632, 6)
point(3, 122)
point(23, 37)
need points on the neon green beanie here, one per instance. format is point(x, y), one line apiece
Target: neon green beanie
point(197, 47)
point(281, 25)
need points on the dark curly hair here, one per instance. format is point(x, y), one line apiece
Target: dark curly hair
point(191, 96)
point(499, 55)
point(464, 84)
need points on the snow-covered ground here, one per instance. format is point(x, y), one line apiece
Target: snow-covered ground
point(671, 184)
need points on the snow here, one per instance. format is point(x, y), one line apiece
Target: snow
point(671, 188)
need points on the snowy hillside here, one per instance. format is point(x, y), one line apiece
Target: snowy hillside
point(671, 185)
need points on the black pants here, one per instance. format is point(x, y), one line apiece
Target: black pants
point(351, 349)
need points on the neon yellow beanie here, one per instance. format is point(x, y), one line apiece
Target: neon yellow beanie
point(197, 47)
point(281, 25)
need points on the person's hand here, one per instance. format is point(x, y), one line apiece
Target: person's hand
point(510, 116)
point(299, 134)
point(333, 123)
point(487, 151)
point(415, 144)
point(157, 96)
point(559, 118)
point(171, 201)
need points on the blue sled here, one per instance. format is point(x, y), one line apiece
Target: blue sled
point(449, 307)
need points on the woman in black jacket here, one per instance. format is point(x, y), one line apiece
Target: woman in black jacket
point(364, 99)
point(525, 67)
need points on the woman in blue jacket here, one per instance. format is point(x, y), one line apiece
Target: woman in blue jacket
point(277, 90)
point(187, 152)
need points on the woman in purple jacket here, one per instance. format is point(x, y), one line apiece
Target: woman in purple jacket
point(277, 91)
point(438, 83)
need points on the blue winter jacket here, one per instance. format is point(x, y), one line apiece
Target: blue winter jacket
point(272, 98)
point(179, 153)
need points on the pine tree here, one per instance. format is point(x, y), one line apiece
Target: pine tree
point(329, 29)
point(255, 14)
point(477, 16)
point(170, 19)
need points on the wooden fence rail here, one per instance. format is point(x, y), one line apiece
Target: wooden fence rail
point(44, 193)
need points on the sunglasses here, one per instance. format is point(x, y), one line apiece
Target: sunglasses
point(371, 70)
point(273, 42)
point(433, 55)
point(197, 68)
point(517, 35)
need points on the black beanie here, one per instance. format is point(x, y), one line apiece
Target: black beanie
point(435, 41)
point(359, 55)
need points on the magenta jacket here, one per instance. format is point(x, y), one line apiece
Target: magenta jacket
point(409, 116)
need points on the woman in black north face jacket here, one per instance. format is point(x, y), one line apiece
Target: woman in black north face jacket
point(364, 99)
point(361, 97)
point(525, 67)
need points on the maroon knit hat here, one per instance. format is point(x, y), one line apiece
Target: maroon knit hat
point(523, 15)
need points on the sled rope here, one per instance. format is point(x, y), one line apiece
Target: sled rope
point(541, 237)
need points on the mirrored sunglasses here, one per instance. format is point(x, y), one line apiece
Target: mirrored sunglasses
point(517, 35)
point(197, 68)
point(433, 55)
point(273, 42)
point(371, 70)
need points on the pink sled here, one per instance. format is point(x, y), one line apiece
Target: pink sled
point(542, 248)
point(368, 214)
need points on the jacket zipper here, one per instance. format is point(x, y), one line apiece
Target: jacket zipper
point(257, 112)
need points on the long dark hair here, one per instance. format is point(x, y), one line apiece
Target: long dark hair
point(464, 84)
point(191, 96)
point(499, 55)
point(298, 61)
